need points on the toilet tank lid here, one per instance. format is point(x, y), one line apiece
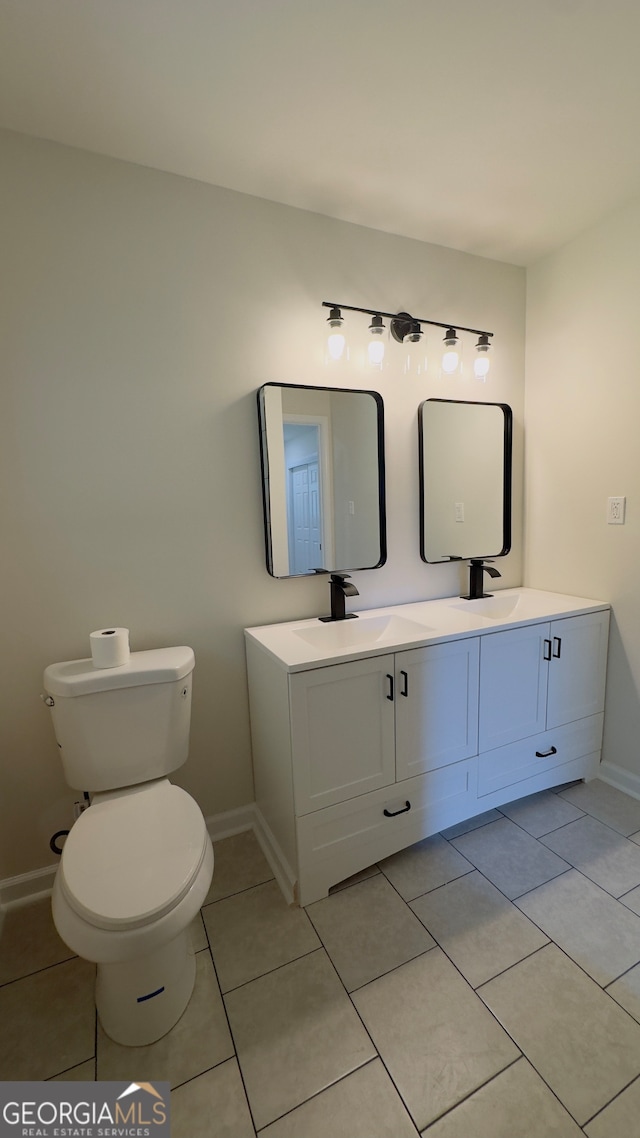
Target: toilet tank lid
point(157, 666)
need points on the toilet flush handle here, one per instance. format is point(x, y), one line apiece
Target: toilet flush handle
point(49, 700)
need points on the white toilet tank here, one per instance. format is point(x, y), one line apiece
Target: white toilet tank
point(120, 726)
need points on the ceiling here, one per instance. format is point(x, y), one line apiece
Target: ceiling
point(499, 127)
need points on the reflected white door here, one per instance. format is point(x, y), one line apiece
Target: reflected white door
point(306, 518)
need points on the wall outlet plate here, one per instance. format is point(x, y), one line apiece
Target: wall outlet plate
point(616, 510)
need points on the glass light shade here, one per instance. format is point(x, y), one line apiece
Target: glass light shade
point(415, 360)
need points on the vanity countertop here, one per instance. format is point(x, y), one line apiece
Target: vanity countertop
point(302, 644)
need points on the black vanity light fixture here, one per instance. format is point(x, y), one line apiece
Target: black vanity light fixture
point(406, 329)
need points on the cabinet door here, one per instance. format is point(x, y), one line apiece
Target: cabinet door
point(577, 668)
point(513, 684)
point(342, 725)
point(436, 706)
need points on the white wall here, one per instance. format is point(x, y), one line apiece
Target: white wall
point(582, 445)
point(140, 313)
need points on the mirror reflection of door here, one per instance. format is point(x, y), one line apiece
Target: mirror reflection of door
point(305, 524)
point(322, 454)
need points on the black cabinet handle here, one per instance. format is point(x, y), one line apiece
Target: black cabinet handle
point(394, 813)
point(547, 649)
point(390, 695)
point(557, 643)
point(405, 683)
point(545, 754)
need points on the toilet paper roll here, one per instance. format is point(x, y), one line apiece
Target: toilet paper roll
point(109, 647)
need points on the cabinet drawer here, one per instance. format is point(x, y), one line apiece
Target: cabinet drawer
point(340, 840)
point(507, 766)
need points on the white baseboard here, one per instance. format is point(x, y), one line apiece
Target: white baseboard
point(620, 778)
point(27, 887)
point(30, 887)
point(231, 822)
point(271, 849)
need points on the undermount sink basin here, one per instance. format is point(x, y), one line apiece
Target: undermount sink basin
point(491, 608)
point(362, 631)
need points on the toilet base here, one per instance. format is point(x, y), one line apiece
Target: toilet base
point(140, 1000)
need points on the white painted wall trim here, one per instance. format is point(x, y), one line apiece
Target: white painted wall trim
point(27, 887)
point(231, 822)
point(30, 887)
point(282, 871)
point(620, 778)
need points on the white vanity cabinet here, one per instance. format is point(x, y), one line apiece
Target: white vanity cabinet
point(541, 698)
point(360, 751)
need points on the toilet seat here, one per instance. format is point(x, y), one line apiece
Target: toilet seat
point(129, 859)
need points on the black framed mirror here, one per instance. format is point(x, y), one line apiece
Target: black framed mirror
point(465, 479)
point(323, 478)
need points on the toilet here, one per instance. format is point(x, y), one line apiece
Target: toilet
point(137, 864)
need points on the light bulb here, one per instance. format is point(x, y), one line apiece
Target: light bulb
point(375, 351)
point(375, 347)
point(482, 363)
point(336, 339)
point(335, 345)
point(450, 363)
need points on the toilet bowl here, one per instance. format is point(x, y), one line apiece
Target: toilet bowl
point(134, 872)
point(138, 863)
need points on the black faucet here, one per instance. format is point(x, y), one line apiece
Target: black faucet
point(340, 588)
point(476, 579)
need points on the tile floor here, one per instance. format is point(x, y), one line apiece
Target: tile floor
point(484, 983)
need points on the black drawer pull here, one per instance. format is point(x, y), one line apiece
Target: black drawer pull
point(390, 695)
point(546, 654)
point(405, 683)
point(546, 754)
point(557, 643)
point(394, 813)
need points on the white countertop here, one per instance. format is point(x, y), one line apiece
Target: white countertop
point(302, 644)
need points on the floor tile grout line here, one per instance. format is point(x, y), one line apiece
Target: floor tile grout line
point(316, 1094)
point(407, 900)
point(471, 829)
point(207, 1071)
point(465, 981)
point(373, 1044)
point(518, 1059)
point(37, 971)
point(550, 940)
point(635, 1079)
point(270, 971)
point(620, 977)
point(236, 892)
point(523, 1053)
point(321, 948)
point(231, 1035)
point(609, 826)
point(600, 988)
